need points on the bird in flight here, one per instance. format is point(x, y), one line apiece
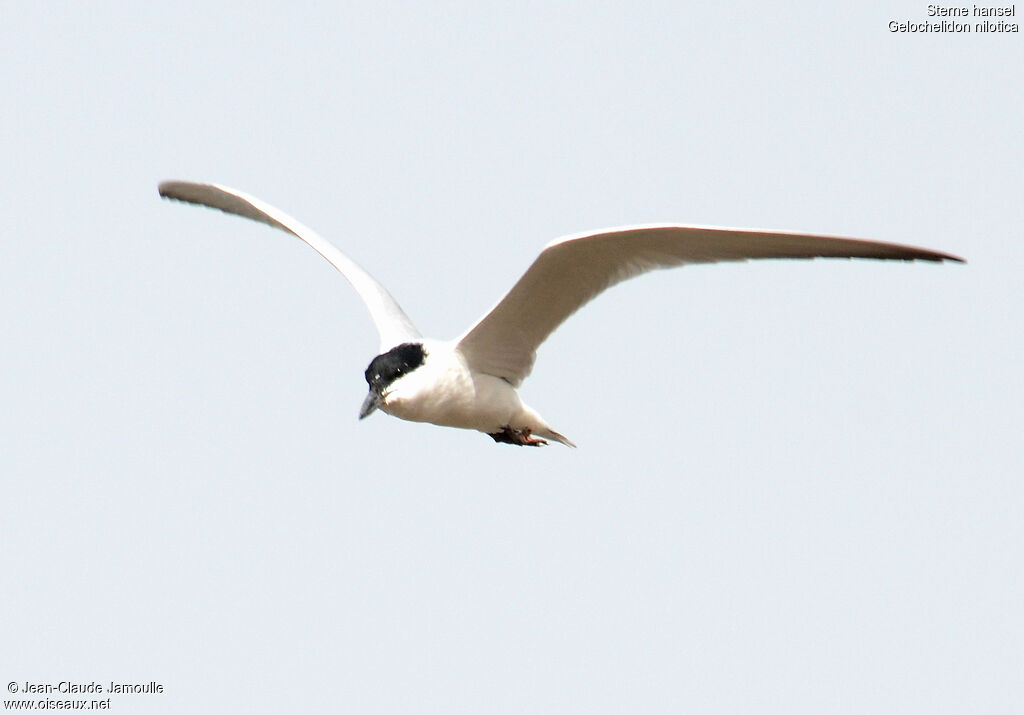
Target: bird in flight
point(470, 382)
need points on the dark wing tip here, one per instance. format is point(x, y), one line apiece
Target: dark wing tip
point(937, 257)
point(218, 197)
point(902, 252)
point(898, 251)
point(183, 190)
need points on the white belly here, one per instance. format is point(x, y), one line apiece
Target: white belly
point(444, 392)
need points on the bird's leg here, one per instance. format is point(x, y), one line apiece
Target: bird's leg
point(529, 441)
point(504, 436)
point(522, 437)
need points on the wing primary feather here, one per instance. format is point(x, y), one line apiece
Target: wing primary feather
point(393, 325)
point(573, 270)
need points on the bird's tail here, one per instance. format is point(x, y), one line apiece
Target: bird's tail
point(549, 433)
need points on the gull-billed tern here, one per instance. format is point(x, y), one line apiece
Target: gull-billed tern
point(470, 382)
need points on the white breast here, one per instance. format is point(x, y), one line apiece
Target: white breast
point(443, 391)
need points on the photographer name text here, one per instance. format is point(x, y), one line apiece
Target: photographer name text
point(66, 687)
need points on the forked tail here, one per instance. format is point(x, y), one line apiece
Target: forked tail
point(551, 434)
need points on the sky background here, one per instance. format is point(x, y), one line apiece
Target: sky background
point(798, 487)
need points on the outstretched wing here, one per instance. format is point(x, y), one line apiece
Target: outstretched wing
point(392, 323)
point(573, 270)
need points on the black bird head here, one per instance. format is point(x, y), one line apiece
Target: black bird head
point(388, 367)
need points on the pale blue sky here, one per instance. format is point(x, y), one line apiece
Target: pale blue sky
point(798, 487)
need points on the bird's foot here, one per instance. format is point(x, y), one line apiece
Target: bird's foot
point(522, 437)
point(528, 441)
